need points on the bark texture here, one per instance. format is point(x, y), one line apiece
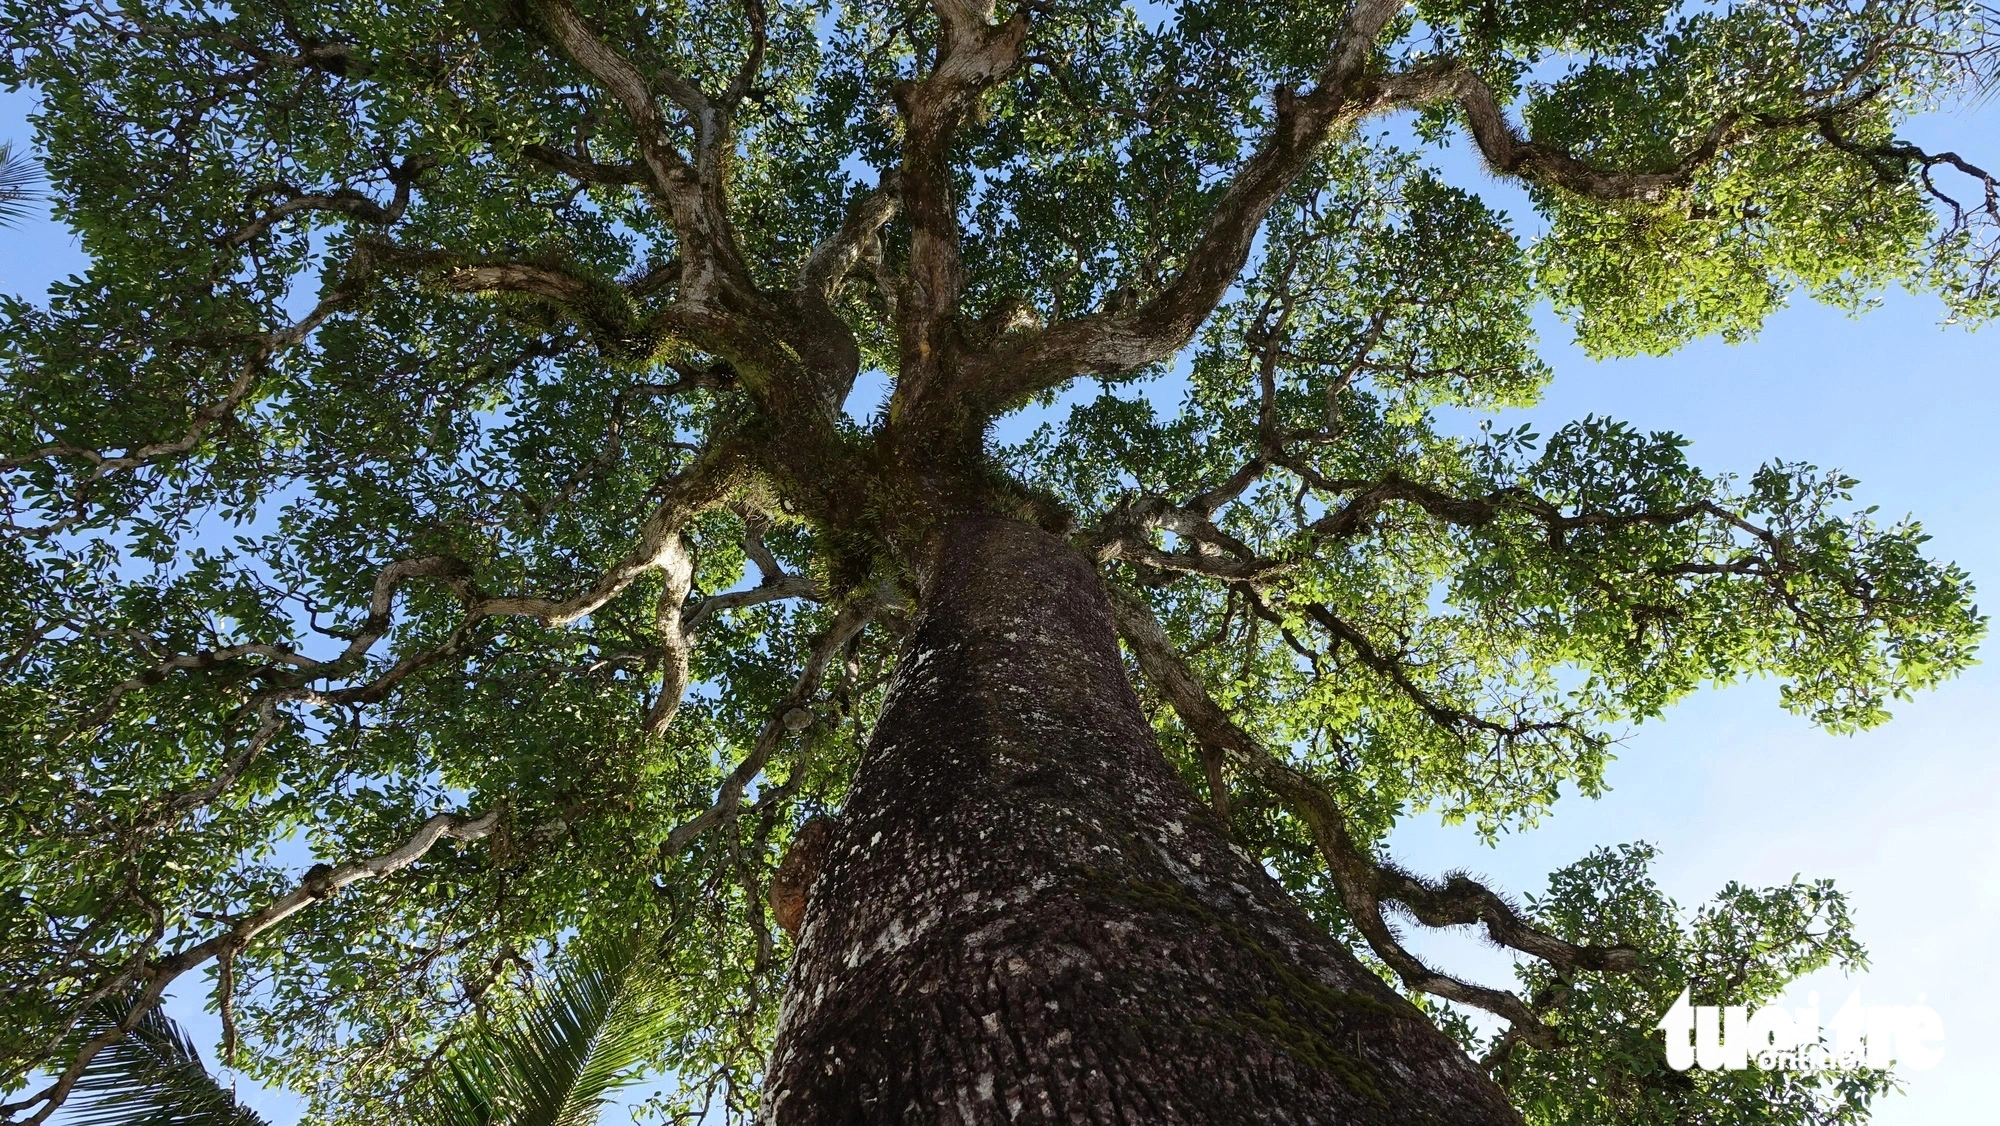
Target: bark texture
point(1026, 916)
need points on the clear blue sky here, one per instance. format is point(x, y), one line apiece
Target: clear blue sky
point(1906, 818)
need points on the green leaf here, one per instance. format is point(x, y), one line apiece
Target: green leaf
point(581, 1035)
point(153, 1076)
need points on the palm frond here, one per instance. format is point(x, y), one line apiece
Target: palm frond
point(152, 1077)
point(17, 180)
point(465, 1094)
point(584, 1034)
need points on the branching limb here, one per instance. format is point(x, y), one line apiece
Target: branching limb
point(610, 313)
point(677, 568)
point(777, 589)
point(831, 260)
point(1108, 342)
point(343, 201)
point(785, 718)
point(745, 81)
point(1364, 885)
point(320, 884)
point(707, 483)
point(1346, 634)
point(819, 279)
point(712, 262)
point(173, 808)
point(678, 623)
point(585, 170)
point(1117, 340)
point(700, 488)
point(792, 354)
point(218, 414)
point(668, 170)
point(1509, 153)
point(1976, 221)
point(1127, 532)
point(774, 582)
point(973, 53)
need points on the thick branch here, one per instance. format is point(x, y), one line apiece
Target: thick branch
point(1113, 341)
point(668, 169)
point(973, 54)
point(1509, 153)
point(611, 314)
point(1109, 342)
point(712, 262)
point(677, 566)
point(753, 60)
point(1364, 885)
point(831, 260)
point(678, 623)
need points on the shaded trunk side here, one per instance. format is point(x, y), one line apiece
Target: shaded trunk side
point(1026, 916)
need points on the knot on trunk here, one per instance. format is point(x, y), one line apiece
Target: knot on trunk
point(796, 872)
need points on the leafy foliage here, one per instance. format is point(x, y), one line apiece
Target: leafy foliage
point(1741, 948)
point(586, 1031)
point(17, 179)
point(153, 1077)
point(427, 456)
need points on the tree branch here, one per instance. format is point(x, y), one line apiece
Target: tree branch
point(712, 262)
point(343, 201)
point(678, 623)
point(265, 348)
point(973, 54)
point(677, 567)
point(1108, 342)
point(830, 261)
point(784, 718)
point(753, 62)
point(585, 170)
point(1364, 885)
point(1509, 153)
point(659, 547)
point(320, 884)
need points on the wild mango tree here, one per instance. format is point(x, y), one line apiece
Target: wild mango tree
point(453, 517)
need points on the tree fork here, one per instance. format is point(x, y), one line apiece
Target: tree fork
point(1026, 916)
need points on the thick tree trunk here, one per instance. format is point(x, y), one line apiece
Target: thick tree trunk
point(1026, 916)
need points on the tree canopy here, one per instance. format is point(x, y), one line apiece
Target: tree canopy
point(448, 517)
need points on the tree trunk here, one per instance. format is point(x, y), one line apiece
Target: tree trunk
point(1026, 916)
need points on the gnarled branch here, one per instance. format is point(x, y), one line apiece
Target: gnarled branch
point(973, 54)
point(1363, 883)
point(1109, 342)
point(320, 884)
point(340, 201)
point(786, 717)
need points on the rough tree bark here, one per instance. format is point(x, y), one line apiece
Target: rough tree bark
point(1026, 916)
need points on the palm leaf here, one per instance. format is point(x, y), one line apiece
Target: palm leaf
point(151, 1077)
point(584, 1034)
point(17, 179)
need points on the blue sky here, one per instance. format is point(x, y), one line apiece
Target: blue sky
point(1905, 818)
